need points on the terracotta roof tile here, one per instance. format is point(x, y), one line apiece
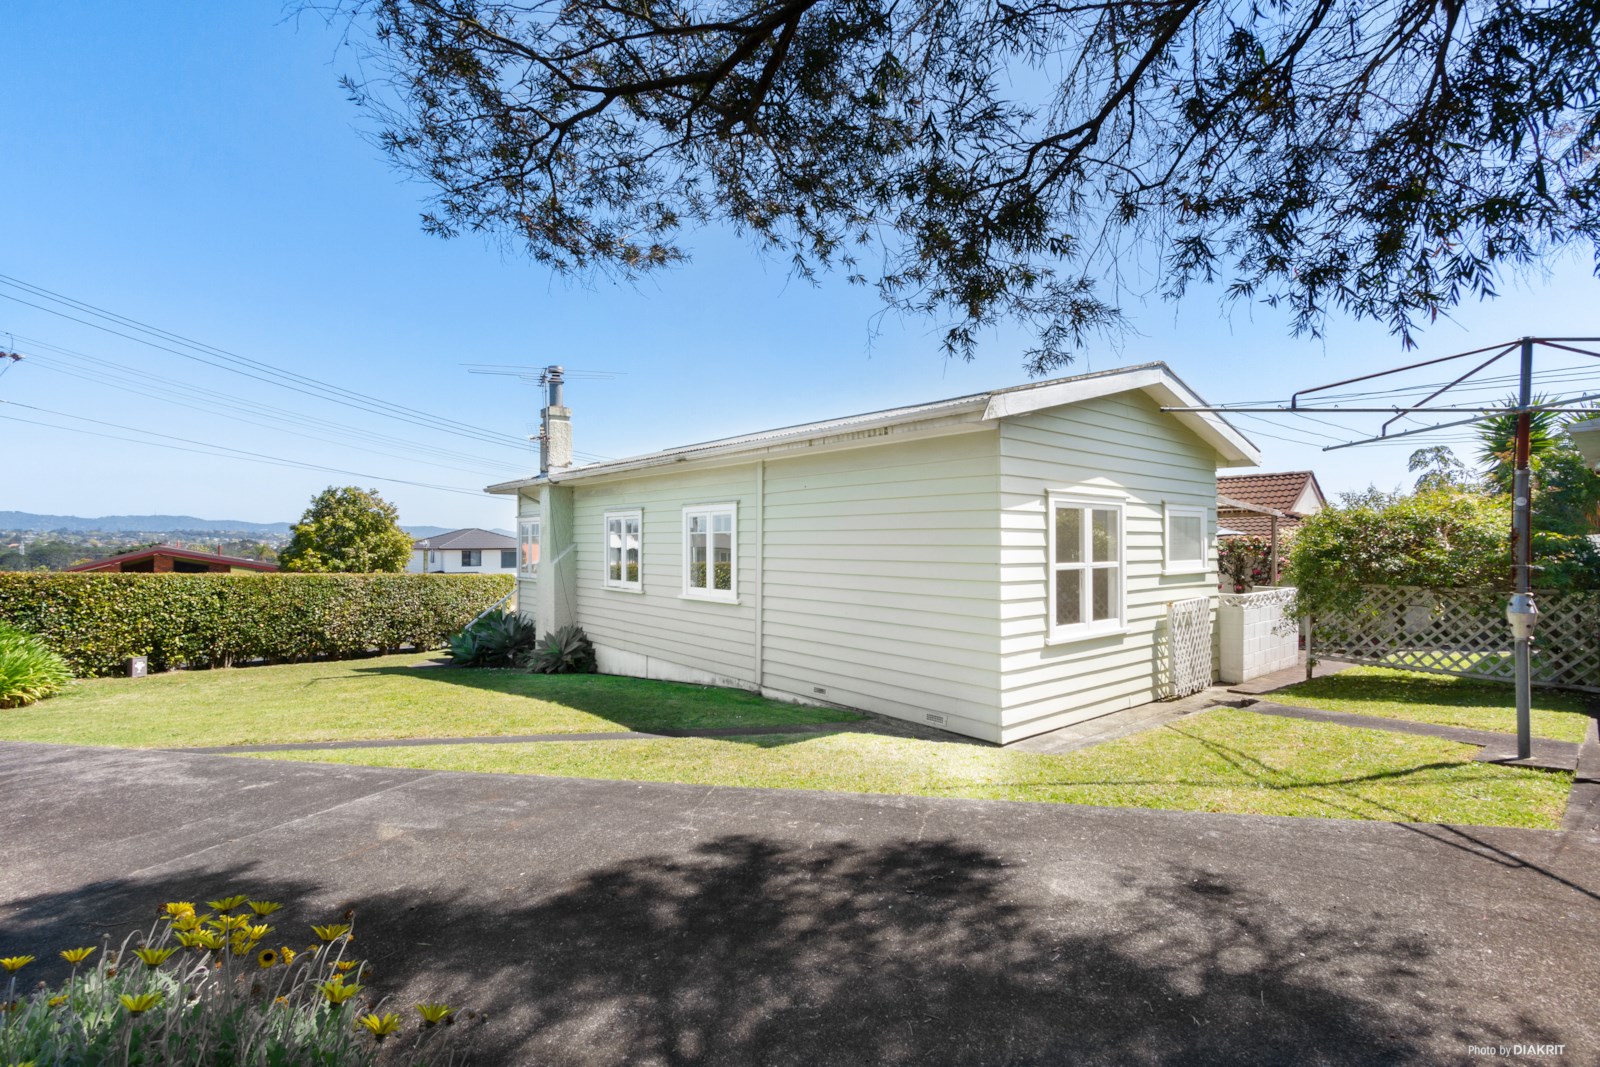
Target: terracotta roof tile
point(1280, 490)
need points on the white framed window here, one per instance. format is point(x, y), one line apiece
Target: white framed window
point(623, 543)
point(528, 548)
point(508, 558)
point(472, 557)
point(1185, 543)
point(1087, 591)
point(710, 551)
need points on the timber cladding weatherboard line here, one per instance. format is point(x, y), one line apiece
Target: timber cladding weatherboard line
point(1121, 448)
point(898, 562)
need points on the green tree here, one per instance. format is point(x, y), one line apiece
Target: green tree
point(1497, 437)
point(1440, 469)
point(992, 161)
point(347, 529)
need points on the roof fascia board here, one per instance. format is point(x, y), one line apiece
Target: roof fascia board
point(1164, 387)
point(891, 433)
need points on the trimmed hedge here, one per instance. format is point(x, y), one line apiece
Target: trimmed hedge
point(215, 620)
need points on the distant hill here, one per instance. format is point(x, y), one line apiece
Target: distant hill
point(159, 524)
point(27, 520)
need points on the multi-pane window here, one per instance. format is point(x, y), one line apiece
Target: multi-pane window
point(1186, 539)
point(623, 542)
point(472, 557)
point(528, 547)
point(709, 552)
point(1086, 590)
point(508, 558)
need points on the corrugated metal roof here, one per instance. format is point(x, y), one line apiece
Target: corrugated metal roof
point(972, 402)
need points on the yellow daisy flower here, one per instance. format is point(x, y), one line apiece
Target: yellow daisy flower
point(76, 956)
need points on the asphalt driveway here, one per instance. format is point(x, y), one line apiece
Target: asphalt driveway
point(611, 922)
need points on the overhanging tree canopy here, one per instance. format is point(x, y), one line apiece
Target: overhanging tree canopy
point(1013, 160)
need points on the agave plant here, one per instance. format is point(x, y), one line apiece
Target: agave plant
point(499, 639)
point(29, 670)
point(566, 651)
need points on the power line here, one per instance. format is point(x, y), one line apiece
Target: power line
point(218, 451)
point(247, 367)
point(126, 378)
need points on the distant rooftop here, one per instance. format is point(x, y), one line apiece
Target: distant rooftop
point(472, 538)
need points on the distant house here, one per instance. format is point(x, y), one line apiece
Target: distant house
point(170, 559)
point(998, 564)
point(470, 551)
point(1248, 504)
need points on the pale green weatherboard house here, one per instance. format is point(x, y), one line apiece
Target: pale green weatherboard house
point(997, 565)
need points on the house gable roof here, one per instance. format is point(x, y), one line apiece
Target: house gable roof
point(1155, 379)
point(470, 539)
point(1282, 491)
point(175, 552)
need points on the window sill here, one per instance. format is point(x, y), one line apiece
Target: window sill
point(1073, 637)
point(631, 590)
point(702, 599)
point(1197, 569)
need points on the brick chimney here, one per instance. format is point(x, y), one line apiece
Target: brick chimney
point(555, 431)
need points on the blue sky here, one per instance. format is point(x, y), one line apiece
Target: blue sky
point(197, 168)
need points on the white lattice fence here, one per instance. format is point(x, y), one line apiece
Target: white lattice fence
point(1188, 646)
point(1463, 632)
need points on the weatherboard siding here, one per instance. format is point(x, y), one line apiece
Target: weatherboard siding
point(881, 572)
point(1122, 446)
point(714, 638)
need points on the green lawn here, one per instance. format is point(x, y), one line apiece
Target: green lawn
point(376, 698)
point(1437, 698)
point(1224, 760)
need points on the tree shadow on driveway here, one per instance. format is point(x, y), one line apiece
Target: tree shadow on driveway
point(745, 951)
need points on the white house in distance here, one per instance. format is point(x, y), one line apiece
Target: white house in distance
point(997, 565)
point(471, 551)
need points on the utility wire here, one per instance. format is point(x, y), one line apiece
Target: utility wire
point(220, 451)
point(122, 376)
point(249, 368)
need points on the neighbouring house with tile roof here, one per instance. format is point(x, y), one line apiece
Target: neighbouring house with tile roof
point(171, 559)
point(997, 565)
point(1246, 502)
point(469, 551)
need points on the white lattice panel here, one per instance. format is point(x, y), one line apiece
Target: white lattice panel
point(1464, 633)
point(1188, 646)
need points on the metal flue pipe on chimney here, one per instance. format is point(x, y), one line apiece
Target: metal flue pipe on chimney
point(555, 428)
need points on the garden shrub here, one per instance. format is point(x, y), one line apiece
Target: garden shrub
point(204, 988)
point(95, 621)
point(566, 651)
point(1437, 539)
point(499, 639)
point(1246, 561)
point(29, 671)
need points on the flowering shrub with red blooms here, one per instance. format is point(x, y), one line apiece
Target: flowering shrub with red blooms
point(1244, 562)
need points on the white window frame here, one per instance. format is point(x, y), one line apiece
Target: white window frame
point(1118, 623)
point(528, 533)
point(476, 553)
point(621, 585)
point(730, 594)
point(1173, 565)
point(504, 552)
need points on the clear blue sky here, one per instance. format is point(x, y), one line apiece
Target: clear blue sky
point(196, 167)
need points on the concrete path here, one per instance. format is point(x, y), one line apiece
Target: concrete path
point(623, 923)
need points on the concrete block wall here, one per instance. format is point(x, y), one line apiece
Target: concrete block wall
point(1255, 634)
